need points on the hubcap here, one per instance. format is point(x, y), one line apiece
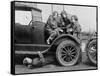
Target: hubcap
point(68, 53)
point(93, 51)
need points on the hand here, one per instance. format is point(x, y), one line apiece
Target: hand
point(61, 30)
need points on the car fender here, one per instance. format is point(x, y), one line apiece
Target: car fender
point(87, 44)
point(57, 41)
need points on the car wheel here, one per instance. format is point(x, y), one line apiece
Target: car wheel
point(92, 51)
point(68, 53)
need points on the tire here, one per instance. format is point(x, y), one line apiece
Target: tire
point(68, 53)
point(91, 51)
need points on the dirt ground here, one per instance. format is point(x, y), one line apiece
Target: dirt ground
point(84, 65)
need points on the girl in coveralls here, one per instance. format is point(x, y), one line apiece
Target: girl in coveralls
point(75, 25)
point(52, 26)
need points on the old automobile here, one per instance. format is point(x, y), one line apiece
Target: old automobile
point(30, 39)
point(91, 48)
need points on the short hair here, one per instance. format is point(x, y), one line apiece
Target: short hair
point(75, 17)
point(63, 12)
point(53, 13)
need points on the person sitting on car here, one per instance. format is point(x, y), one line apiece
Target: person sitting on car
point(52, 27)
point(65, 19)
point(76, 28)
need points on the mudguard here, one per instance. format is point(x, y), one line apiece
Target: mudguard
point(57, 41)
point(90, 41)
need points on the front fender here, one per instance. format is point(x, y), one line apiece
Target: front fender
point(57, 41)
point(88, 42)
point(66, 36)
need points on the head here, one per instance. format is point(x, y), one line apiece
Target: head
point(27, 61)
point(74, 18)
point(63, 14)
point(55, 14)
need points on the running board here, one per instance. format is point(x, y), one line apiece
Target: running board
point(30, 52)
point(31, 47)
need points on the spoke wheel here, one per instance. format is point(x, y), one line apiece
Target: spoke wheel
point(67, 53)
point(92, 51)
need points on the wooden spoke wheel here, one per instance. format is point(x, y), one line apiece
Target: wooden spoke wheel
point(68, 53)
point(92, 51)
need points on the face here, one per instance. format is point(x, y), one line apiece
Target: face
point(73, 19)
point(56, 14)
point(64, 15)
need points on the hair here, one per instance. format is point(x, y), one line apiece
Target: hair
point(75, 17)
point(63, 12)
point(54, 13)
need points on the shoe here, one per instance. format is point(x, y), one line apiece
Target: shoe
point(48, 42)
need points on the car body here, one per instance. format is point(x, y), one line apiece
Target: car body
point(91, 48)
point(30, 40)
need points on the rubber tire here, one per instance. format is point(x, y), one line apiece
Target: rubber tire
point(66, 42)
point(87, 52)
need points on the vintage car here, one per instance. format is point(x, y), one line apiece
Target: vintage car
point(91, 48)
point(30, 40)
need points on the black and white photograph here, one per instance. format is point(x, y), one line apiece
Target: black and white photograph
point(53, 37)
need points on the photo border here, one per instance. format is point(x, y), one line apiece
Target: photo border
point(12, 66)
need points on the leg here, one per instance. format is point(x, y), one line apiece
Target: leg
point(78, 35)
point(51, 37)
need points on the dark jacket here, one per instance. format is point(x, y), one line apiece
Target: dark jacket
point(76, 27)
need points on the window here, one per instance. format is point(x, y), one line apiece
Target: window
point(23, 17)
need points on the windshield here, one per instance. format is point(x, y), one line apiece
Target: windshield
point(23, 17)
